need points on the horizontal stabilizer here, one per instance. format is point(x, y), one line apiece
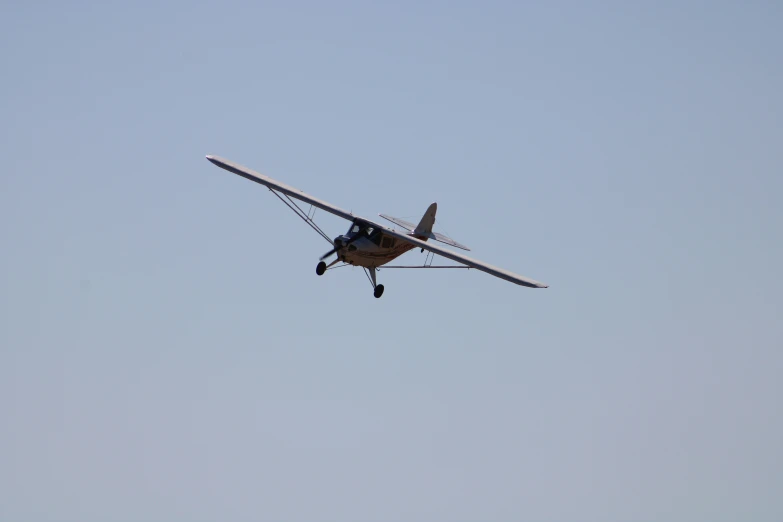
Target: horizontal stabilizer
point(432, 235)
point(407, 225)
point(447, 240)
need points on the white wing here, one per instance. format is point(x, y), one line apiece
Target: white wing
point(279, 187)
point(465, 260)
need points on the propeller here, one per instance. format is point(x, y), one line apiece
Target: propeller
point(329, 253)
point(339, 243)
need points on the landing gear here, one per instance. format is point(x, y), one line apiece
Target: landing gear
point(377, 290)
point(322, 267)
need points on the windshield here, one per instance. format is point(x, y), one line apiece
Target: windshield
point(359, 227)
point(365, 230)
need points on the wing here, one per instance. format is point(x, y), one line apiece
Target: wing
point(433, 235)
point(465, 260)
point(279, 187)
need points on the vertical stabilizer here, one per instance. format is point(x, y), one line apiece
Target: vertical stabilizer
point(424, 228)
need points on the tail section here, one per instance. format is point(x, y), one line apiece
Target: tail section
point(424, 228)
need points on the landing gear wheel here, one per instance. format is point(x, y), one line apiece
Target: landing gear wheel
point(321, 268)
point(378, 291)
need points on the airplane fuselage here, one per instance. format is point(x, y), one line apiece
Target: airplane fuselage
point(367, 246)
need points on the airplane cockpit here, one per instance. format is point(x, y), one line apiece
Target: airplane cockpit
point(366, 230)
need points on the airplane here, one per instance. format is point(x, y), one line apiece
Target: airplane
point(368, 244)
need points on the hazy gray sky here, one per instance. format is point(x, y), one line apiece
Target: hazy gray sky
point(168, 353)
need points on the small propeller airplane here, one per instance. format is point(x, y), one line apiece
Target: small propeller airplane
point(368, 244)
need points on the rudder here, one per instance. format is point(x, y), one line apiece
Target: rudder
point(424, 228)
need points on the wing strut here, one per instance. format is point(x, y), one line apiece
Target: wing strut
point(384, 267)
point(302, 214)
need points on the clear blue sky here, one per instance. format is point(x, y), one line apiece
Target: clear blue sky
point(168, 353)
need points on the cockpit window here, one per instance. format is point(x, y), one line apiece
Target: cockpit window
point(366, 230)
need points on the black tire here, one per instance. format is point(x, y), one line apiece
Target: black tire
point(378, 292)
point(321, 268)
